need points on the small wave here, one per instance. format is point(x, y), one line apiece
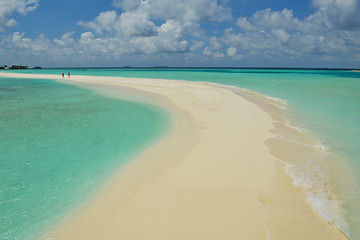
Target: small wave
point(322, 147)
point(280, 103)
point(309, 172)
point(318, 146)
point(299, 129)
point(309, 169)
point(313, 181)
point(318, 195)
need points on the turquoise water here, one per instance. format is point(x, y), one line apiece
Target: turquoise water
point(325, 102)
point(58, 145)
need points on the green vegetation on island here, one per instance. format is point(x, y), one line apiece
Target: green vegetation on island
point(18, 67)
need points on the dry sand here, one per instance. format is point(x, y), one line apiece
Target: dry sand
point(210, 177)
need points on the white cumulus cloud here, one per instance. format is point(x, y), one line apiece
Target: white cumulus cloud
point(8, 7)
point(231, 51)
point(185, 10)
point(342, 14)
point(180, 31)
point(326, 34)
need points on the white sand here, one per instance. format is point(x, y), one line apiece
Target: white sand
point(211, 177)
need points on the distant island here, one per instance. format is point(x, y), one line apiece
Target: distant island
point(18, 67)
point(356, 70)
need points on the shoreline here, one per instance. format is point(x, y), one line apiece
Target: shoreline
point(249, 199)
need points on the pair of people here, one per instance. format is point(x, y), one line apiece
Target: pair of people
point(68, 74)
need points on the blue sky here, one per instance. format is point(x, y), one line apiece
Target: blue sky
point(234, 33)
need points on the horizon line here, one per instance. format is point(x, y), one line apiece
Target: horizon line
point(170, 67)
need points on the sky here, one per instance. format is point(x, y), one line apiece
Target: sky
point(183, 33)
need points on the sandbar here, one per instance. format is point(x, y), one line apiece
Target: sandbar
point(210, 177)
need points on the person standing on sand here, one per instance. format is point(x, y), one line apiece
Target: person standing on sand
point(62, 75)
point(69, 74)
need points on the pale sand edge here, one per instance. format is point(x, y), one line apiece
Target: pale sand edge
point(180, 199)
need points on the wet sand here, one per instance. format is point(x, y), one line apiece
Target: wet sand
point(211, 177)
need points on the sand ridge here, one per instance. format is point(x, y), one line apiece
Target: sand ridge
point(211, 177)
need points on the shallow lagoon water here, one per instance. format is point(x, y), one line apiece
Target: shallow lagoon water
point(325, 103)
point(58, 145)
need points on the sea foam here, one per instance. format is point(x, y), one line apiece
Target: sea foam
point(309, 167)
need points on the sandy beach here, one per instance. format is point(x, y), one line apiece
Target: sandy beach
point(210, 177)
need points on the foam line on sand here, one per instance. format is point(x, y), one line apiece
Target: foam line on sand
point(210, 177)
